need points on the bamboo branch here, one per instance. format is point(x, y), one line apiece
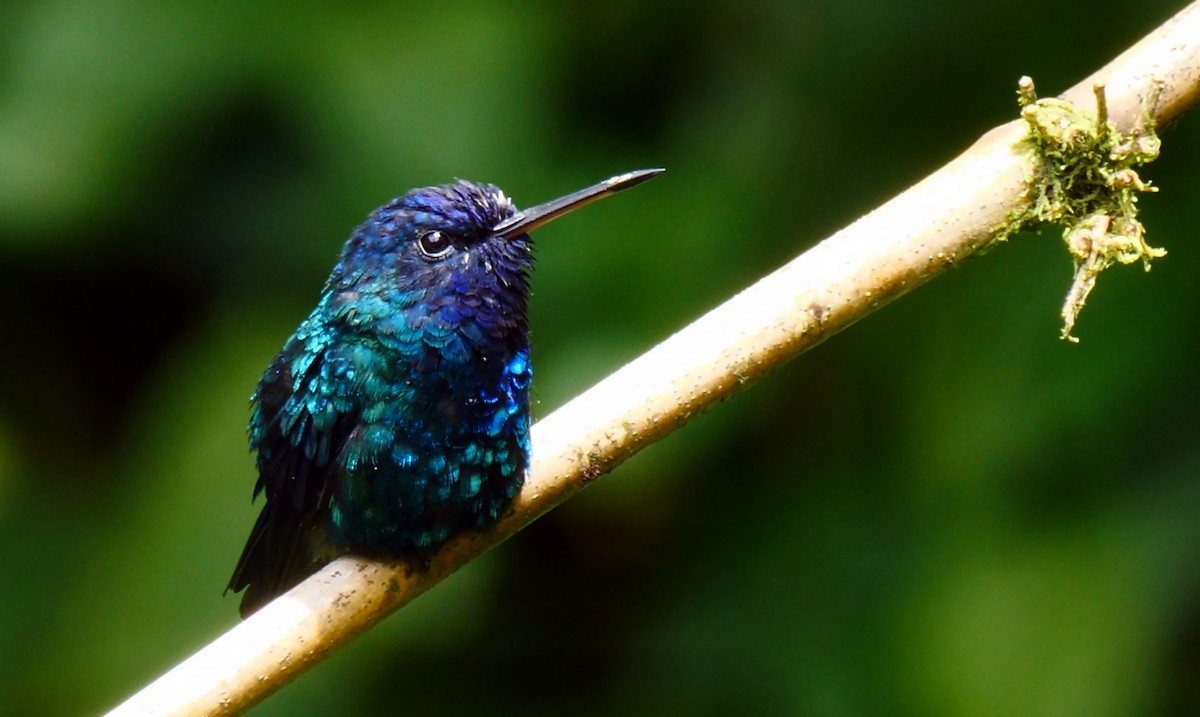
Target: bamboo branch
point(936, 224)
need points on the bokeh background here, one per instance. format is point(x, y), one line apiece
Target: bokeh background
point(943, 511)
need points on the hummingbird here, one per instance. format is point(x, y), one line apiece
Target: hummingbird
point(397, 415)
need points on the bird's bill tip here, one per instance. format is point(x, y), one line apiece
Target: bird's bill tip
point(527, 220)
point(632, 179)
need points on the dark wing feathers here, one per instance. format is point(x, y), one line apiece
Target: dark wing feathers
point(297, 432)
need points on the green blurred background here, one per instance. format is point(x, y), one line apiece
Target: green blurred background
point(943, 511)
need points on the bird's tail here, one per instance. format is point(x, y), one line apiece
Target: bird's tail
point(278, 555)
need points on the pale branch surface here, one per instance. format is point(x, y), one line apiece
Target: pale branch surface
point(934, 225)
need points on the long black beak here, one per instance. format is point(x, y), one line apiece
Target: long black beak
point(527, 220)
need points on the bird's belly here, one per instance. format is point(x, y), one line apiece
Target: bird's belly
point(422, 484)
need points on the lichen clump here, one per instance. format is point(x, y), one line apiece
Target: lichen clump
point(1087, 184)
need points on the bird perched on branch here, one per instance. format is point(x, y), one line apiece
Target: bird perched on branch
point(397, 414)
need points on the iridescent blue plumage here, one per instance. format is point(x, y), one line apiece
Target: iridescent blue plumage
point(397, 415)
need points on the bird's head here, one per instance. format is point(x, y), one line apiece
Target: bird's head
point(456, 240)
point(438, 238)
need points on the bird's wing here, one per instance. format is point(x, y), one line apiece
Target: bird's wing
point(304, 410)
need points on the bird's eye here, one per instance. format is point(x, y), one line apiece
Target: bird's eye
point(434, 244)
